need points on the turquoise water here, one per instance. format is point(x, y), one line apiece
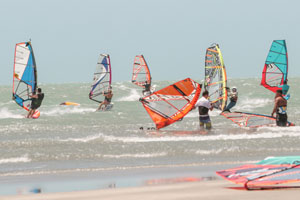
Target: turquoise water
point(74, 139)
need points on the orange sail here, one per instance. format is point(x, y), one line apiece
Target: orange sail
point(141, 73)
point(172, 103)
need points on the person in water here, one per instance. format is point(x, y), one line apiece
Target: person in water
point(233, 96)
point(36, 102)
point(280, 108)
point(147, 90)
point(107, 99)
point(285, 87)
point(204, 105)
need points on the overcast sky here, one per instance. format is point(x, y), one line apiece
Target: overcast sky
point(68, 35)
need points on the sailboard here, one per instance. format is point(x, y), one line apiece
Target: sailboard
point(215, 77)
point(102, 79)
point(275, 70)
point(24, 76)
point(141, 72)
point(263, 174)
point(172, 103)
point(69, 103)
point(251, 120)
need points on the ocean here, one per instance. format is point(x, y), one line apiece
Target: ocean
point(71, 141)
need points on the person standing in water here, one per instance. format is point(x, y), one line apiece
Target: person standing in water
point(280, 108)
point(36, 102)
point(107, 99)
point(204, 105)
point(233, 96)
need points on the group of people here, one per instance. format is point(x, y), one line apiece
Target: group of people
point(203, 104)
point(279, 110)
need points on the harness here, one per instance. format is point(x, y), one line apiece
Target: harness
point(282, 109)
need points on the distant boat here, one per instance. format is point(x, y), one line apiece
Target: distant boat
point(24, 76)
point(215, 81)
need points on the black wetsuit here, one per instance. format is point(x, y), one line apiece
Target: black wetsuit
point(107, 99)
point(36, 102)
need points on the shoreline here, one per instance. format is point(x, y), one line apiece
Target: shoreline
point(208, 190)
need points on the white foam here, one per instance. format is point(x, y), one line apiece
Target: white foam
point(221, 137)
point(5, 113)
point(15, 159)
point(249, 104)
point(139, 155)
point(217, 151)
point(61, 110)
point(83, 139)
point(133, 96)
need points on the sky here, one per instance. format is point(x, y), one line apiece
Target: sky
point(68, 36)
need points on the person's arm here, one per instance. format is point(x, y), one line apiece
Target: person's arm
point(211, 106)
point(275, 108)
point(33, 96)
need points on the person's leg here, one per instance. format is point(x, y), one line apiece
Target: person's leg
point(230, 105)
point(208, 125)
point(31, 112)
point(99, 108)
point(281, 119)
point(201, 123)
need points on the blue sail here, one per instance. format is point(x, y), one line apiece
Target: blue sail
point(25, 76)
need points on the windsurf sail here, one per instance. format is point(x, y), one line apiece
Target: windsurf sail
point(259, 175)
point(24, 75)
point(276, 66)
point(280, 160)
point(215, 77)
point(172, 103)
point(141, 73)
point(251, 120)
point(102, 79)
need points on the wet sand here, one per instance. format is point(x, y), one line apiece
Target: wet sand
point(206, 190)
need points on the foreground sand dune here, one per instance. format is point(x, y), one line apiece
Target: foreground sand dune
point(207, 190)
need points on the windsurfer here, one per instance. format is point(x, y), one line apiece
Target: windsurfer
point(147, 90)
point(36, 102)
point(280, 108)
point(204, 105)
point(107, 98)
point(233, 96)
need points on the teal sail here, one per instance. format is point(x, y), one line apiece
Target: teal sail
point(275, 70)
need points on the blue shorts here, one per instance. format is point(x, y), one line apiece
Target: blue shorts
point(205, 119)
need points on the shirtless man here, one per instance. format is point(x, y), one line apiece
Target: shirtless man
point(280, 108)
point(107, 100)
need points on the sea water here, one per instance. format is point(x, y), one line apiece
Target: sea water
point(75, 139)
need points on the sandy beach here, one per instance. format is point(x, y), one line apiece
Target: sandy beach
point(217, 189)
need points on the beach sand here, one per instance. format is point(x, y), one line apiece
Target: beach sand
point(206, 190)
